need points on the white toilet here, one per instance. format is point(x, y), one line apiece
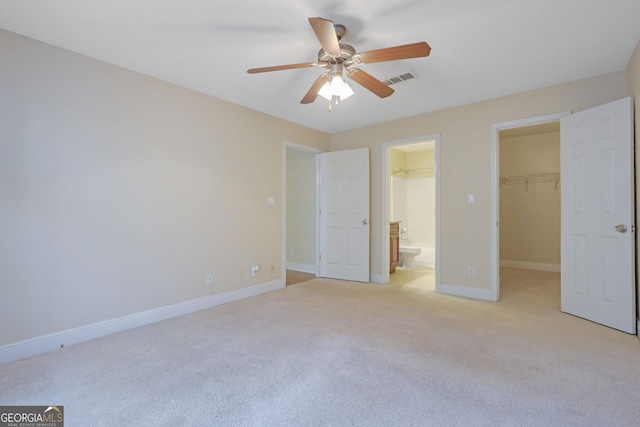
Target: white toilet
point(408, 256)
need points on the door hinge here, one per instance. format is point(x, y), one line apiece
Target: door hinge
point(633, 228)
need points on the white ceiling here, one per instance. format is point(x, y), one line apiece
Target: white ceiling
point(481, 48)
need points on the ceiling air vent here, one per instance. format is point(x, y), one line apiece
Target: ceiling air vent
point(399, 79)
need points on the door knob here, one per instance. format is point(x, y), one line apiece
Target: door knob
point(621, 228)
point(365, 222)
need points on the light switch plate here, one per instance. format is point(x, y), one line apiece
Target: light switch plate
point(271, 201)
point(471, 198)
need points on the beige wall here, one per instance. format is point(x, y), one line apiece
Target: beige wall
point(420, 160)
point(412, 160)
point(633, 89)
point(401, 160)
point(530, 214)
point(119, 192)
point(465, 165)
point(397, 160)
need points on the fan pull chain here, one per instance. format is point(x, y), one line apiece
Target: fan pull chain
point(336, 99)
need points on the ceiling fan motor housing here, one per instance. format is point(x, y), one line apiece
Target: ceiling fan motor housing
point(346, 52)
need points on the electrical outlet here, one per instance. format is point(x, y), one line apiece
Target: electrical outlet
point(254, 270)
point(292, 253)
point(472, 272)
point(210, 279)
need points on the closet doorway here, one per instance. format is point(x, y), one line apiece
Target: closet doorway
point(530, 197)
point(525, 173)
point(597, 262)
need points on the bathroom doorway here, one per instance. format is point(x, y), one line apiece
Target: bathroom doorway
point(411, 199)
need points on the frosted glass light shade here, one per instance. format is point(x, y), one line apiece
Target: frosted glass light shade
point(336, 87)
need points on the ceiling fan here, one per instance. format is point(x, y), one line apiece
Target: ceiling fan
point(339, 57)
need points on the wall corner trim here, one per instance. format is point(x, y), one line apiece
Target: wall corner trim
point(466, 292)
point(69, 337)
point(376, 278)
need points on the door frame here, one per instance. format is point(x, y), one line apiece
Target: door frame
point(384, 240)
point(495, 189)
point(315, 151)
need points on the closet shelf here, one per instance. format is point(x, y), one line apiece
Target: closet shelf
point(553, 177)
point(409, 171)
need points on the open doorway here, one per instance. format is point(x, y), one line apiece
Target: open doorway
point(411, 213)
point(344, 199)
point(530, 197)
point(597, 279)
point(529, 212)
point(524, 140)
point(300, 195)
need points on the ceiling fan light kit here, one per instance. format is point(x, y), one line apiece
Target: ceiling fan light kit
point(335, 87)
point(339, 57)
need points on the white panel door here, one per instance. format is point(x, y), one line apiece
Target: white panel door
point(344, 215)
point(598, 261)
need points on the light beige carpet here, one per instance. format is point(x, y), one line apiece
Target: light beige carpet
point(326, 352)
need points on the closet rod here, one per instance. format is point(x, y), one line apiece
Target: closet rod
point(408, 171)
point(531, 178)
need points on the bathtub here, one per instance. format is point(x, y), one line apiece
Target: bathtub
point(427, 255)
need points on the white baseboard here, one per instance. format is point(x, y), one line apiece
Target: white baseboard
point(426, 264)
point(526, 265)
point(304, 268)
point(50, 342)
point(466, 291)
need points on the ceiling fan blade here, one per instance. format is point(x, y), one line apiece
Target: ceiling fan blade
point(313, 91)
point(369, 82)
point(414, 50)
point(326, 34)
point(282, 67)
